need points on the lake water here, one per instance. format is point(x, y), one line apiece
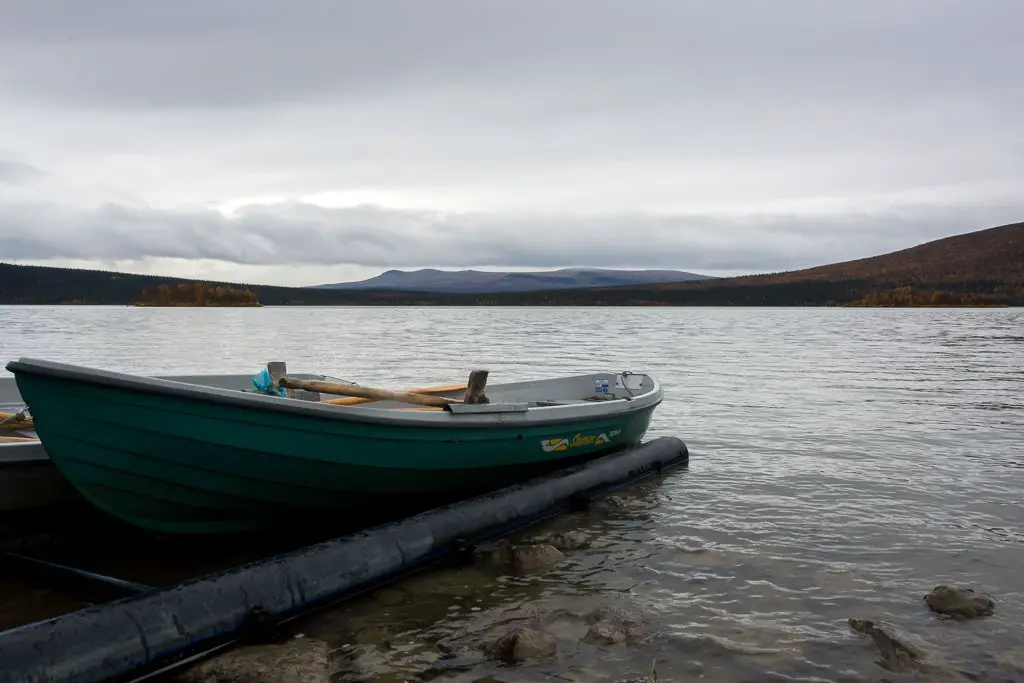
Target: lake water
point(843, 462)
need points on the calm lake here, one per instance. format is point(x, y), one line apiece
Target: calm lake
point(843, 463)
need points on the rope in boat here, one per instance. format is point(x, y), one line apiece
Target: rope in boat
point(624, 374)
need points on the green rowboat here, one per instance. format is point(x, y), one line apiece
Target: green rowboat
point(180, 457)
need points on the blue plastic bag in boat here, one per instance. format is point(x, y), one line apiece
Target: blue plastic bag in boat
point(264, 383)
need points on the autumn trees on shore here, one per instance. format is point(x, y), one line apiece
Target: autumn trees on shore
point(196, 294)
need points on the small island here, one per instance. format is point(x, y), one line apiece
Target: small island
point(197, 294)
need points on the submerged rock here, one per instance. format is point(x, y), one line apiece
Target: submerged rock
point(959, 603)
point(526, 557)
point(536, 556)
point(500, 633)
point(611, 626)
point(615, 502)
point(606, 633)
point(898, 653)
point(495, 553)
point(303, 660)
point(901, 653)
point(624, 502)
point(565, 540)
point(522, 644)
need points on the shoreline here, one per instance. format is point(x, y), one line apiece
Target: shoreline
point(183, 305)
point(377, 304)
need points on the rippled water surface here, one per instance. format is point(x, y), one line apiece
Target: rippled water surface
point(843, 462)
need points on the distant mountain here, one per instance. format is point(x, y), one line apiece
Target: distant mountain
point(483, 282)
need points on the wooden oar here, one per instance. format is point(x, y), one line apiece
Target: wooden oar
point(365, 392)
point(14, 424)
point(356, 400)
point(16, 439)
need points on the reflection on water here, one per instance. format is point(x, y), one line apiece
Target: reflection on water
point(843, 462)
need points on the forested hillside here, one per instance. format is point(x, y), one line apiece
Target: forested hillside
point(46, 285)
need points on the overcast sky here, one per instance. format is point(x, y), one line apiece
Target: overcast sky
point(321, 141)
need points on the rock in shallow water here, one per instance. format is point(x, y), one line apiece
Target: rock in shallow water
point(565, 540)
point(613, 630)
point(526, 557)
point(605, 633)
point(522, 644)
point(904, 653)
point(613, 626)
point(303, 660)
point(960, 603)
point(898, 654)
point(536, 556)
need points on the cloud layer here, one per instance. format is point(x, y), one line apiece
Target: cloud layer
point(718, 136)
point(297, 233)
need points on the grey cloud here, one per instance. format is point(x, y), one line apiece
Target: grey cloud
point(574, 55)
point(599, 97)
point(297, 234)
point(16, 172)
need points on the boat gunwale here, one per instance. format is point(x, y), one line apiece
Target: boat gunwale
point(535, 415)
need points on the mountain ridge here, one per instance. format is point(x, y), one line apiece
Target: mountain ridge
point(471, 281)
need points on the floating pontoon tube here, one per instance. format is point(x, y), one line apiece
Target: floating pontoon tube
point(155, 629)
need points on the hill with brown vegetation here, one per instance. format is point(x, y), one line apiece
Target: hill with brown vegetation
point(992, 254)
point(983, 268)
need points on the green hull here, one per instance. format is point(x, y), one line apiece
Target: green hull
point(179, 464)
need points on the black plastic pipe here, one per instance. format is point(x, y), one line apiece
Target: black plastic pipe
point(137, 634)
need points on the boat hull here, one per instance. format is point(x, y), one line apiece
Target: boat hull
point(174, 463)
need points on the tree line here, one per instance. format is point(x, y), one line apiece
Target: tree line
point(47, 285)
point(196, 294)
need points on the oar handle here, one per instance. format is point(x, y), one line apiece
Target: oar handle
point(15, 421)
point(365, 392)
point(355, 400)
